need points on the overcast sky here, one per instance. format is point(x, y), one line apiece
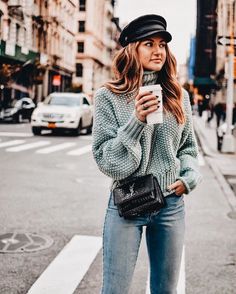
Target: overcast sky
point(179, 14)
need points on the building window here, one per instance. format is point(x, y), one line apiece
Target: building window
point(1, 14)
point(17, 33)
point(81, 26)
point(82, 5)
point(80, 47)
point(9, 29)
point(79, 69)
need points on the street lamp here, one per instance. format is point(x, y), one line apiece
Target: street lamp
point(228, 142)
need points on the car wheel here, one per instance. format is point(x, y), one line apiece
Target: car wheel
point(89, 129)
point(77, 131)
point(20, 118)
point(36, 131)
point(16, 118)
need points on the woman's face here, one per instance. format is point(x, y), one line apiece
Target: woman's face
point(152, 53)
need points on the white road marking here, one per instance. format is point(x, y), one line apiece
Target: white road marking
point(80, 151)
point(15, 134)
point(11, 143)
point(67, 270)
point(56, 148)
point(181, 282)
point(28, 146)
point(201, 160)
point(86, 138)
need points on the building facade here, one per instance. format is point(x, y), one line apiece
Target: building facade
point(205, 50)
point(37, 49)
point(95, 44)
point(61, 30)
point(226, 28)
point(226, 11)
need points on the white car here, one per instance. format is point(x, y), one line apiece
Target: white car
point(63, 111)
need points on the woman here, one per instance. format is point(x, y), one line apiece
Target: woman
point(122, 143)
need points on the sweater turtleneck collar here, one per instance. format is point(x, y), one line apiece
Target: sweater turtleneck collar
point(149, 78)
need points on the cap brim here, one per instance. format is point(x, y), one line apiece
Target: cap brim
point(166, 35)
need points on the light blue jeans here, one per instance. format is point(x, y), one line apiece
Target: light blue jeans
point(164, 237)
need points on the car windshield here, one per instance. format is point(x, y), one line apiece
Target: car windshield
point(63, 100)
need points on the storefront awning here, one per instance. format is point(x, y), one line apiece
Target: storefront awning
point(204, 81)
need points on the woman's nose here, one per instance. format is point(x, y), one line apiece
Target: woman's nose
point(157, 50)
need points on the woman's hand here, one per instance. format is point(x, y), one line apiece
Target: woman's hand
point(178, 186)
point(145, 103)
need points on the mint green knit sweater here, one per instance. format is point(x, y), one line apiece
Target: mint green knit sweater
point(122, 143)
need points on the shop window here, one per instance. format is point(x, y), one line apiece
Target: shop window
point(81, 26)
point(80, 47)
point(79, 69)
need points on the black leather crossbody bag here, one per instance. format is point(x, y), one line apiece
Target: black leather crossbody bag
point(138, 195)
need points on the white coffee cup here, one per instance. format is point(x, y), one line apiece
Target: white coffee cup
point(155, 117)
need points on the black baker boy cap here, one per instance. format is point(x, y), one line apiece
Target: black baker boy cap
point(142, 27)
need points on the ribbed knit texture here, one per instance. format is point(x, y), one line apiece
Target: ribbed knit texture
point(122, 143)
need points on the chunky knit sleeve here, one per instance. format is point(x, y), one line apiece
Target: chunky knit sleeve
point(188, 151)
point(116, 149)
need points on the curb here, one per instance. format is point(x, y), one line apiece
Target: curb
point(209, 156)
point(202, 138)
point(225, 187)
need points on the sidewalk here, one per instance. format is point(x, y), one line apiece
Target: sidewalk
point(211, 220)
point(223, 165)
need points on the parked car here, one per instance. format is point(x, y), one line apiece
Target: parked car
point(63, 111)
point(18, 110)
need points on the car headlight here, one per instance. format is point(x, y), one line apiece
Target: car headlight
point(37, 115)
point(70, 116)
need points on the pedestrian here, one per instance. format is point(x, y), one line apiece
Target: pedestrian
point(122, 144)
point(219, 107)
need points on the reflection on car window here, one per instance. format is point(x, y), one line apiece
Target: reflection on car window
point(63, 100)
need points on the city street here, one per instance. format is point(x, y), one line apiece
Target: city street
point(51, 187)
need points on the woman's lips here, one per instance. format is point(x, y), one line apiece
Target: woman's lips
point(156, 60)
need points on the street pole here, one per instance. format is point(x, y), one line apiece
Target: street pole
point(228, 141)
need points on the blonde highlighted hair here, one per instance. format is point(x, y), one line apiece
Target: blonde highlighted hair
point(128, 73)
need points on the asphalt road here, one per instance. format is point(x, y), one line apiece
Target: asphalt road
point(61, 195)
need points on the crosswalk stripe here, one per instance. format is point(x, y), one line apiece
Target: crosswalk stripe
point(181, 282)
point(86, 138)
point(28, 146)
point(55, 148)
point(81, 150)
point(11, 143)
point(15, 134)
point(67, 270)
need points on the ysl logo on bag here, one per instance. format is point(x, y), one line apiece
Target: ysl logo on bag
point(131, 189)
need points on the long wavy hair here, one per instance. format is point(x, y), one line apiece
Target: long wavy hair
point(128, 74)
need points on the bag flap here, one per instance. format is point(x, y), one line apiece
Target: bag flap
point(132, 188)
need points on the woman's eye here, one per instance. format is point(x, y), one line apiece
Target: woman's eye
point(149, 44)
point(162, 45)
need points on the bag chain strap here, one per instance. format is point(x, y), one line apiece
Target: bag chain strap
point(152, 148)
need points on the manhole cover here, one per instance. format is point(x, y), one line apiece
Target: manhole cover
point(23, 242)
